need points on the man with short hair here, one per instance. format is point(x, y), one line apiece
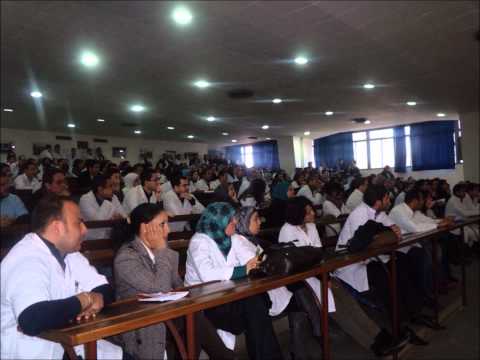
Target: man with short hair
point(11, 206)
point(28, 180)
point(46, 283)
point(179, 201)
point(311, 190)
point(148, 191)
point(85, 180)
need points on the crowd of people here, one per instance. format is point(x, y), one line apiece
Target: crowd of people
point(46, 282)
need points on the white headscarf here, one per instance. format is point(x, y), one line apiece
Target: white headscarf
point(129, 180)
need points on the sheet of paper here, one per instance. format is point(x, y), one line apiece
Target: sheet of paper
point(168, 296)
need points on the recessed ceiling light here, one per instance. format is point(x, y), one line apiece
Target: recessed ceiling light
point(13, 146)
point(211, 118)
point(101, 120)
point(368, 86)
point(329, 113)
point(265, 127)
point(225, 134)
point(367, 122)
point(71, 125)
point(8, 110)
point(138, 132)
point(411, 103)
point(182, 16)
point(234, 140)
point(121, 150)
point(89, 59)
point(301, 60)
point(268, 138)
point(277, 101)
point(36, 94)
point(202, 84)
point(190, 136)
point(441, 114)
point(170, 128)
point(137, 108)
point(306, 133)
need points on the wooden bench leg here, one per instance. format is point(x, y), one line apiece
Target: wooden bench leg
point(70, 352)
point(91, 350)
point(326, 340)
point(393, 297)
point(191, 343)
point(435, 277)
point(462, 264)
point(178, 339)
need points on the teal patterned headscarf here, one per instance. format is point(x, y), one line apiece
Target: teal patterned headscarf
point(214, 221)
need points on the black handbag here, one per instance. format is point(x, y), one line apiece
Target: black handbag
point(369, 235)
point(286, 259)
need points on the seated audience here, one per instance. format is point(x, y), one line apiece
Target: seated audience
point(255, 194)
point(334, 206)
point(145, 264)
point(311, 190)
point(28, 180)
point(211, 256)
point(359, 186)
point(240, 180)
point(47, 283)
point(113, 174)
point(11, 207)
point(130, 180)
point(146, 192)
point(85, 179)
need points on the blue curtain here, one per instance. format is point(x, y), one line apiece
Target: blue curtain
point(233, 153)
point(399, 149)
point(265, 154)
point(331, 148)
point(432, 145)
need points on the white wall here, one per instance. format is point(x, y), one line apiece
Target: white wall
point(452, 176)
point(286, 153)
point(24, 140)
point(470, 145)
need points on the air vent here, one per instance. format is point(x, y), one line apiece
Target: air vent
point(100, 140)
point(129, 124)
point(253, 137)
point(359, 120)
point(240, 93)
point(60, 137)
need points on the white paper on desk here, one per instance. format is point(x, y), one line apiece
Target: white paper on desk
point(168, 296)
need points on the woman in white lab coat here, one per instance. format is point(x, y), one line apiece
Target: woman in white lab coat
point(334, 206)
point(212, 255)
point(300, 229)
point(146, 192)
point(130, 180)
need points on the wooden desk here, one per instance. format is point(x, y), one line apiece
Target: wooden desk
point(130, 314)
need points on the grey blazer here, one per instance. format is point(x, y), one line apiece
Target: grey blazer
point(136, 273)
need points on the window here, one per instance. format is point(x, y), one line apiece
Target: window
point(247, 155)
point(360, 149)
point(408, 147)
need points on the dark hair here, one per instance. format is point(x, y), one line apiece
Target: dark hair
point(90, 163)
point(176, 179)
point(470, 187)
point(295, 210)
point(414, 194)
point(257, 190)
point(333, 187)
point(49, 208)
point(142, 214)
point(146, 176)
point(48, 175)
point(373, 194)
point(110, 171)
point(28, 163)
point(99, 181)
point(357, 182)
point(459, 187)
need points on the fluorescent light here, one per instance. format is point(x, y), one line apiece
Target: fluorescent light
point(190, 136)
point(277, 101)
point(441, 114)
point(8, 110)
point(170, 128)
point(211, 118)
point(13, 146)
point(138, 132)
point(329, 113)
point(234, 140)
point(101, 120)
point(225, 134)
point(367, 122)
point(306, 133)
point(121, 150)
point(36, 94)
point(411, 103)
point(202, 84)
point(71, 125)
point(368, 86)
point(182, 16)
point(137, 108)
point(89, 59)
point(301, 60)
point(268, 138)
point(265, 127)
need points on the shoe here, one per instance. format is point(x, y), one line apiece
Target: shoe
point(414, 339)
point(384, 344)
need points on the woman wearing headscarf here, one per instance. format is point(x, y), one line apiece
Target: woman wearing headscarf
point(145, 264)
point(212, 255)
point(275, 214)
point(130, 180)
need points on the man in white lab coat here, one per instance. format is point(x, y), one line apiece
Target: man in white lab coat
point(359, 185)
point(28, 180)
point(240, 180)
point(46, 284)
point(147, 192)
point(101, 204)
point(179, 201)
point(312, 190)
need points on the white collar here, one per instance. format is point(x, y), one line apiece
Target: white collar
point(149, 252)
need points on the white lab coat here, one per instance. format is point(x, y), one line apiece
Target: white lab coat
point(305, 191)
point(23, 183)
point(136, 196)
point(245, 184)
point(460, 210)
point(400, 198)
point(329, 208)
point(214, 184)
point(201, 185)
point(279, 297)
point(355, 199)
point(310, 238)
point(176, 206)
point(404, 217)
point(31, 274)
point(91, 211)
point(355, 275)
point(248, 201)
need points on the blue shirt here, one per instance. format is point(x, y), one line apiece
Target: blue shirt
point(12, 207)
